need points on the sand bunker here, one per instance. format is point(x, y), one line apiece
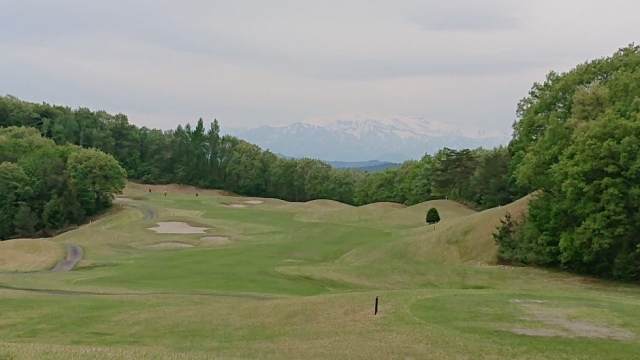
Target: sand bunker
point(293, 260)
point(238, 206)
point(253, 202)
point(216, 239)
point(177, 228)
point(171, 244)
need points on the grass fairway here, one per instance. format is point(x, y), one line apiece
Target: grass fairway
point(299, 281)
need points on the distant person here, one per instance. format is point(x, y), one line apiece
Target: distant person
point(149, 191)
point(165, 193)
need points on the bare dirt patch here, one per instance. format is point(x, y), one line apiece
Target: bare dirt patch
point(558, 324)
point(171, 244)
point(216, 239)
point(538, 332)
point(253, 202)
point(177, 228)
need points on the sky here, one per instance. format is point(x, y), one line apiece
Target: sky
point(251, 63)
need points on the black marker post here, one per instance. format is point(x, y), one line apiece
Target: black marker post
point(376, 310)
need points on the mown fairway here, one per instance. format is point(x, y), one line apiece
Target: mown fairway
point(281, 280)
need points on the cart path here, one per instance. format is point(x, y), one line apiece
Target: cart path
point(73, 256)
point(150, 213)
point(74, 253)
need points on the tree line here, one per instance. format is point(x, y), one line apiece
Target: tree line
point(46, 187)
point(575, 146)
point(201, 156)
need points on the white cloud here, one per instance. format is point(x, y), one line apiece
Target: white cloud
point(254, 62)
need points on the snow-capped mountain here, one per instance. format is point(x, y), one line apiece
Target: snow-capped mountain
point(360, 138)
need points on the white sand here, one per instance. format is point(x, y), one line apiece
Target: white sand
point(237, 206)
point(171, 244)
point(177, 228)
point(216, 239)
point(253, 202)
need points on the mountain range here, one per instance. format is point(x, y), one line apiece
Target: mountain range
point(361, 138)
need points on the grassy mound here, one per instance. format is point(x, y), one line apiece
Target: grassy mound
point(334, 212)
point(414, 216)
point(461, 239)
point(29, 255)
point(325, 205)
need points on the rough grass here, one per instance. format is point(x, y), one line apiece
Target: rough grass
point(288, 288)
point(30, 255)
point(461, 239)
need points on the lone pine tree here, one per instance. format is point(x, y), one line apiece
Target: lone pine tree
point(433, 216)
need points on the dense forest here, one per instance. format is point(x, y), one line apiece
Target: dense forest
point(575, 145)
point(46, 187)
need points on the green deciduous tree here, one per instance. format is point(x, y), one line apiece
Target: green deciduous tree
point(96, 176)
point(577, 140)
point(13, 191)
point(25, 221)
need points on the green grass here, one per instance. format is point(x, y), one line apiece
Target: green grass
point(299, 281)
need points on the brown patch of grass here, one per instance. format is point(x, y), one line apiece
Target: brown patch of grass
point(216, 239)
point(29, 255)
point(562, 322)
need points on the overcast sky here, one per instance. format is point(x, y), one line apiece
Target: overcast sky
point(250, 63)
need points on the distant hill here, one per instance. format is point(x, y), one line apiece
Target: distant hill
point(358, 164)
point(380, 167)
point(365, 166)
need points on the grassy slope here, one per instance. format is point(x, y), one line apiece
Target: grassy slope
point(29, 255)
point(299, 280)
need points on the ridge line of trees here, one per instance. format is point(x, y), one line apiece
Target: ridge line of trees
point(202, 157)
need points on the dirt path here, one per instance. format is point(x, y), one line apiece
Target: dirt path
point(73, 256)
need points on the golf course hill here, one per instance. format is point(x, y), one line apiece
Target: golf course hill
point(180, 276)
point(463, 235)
